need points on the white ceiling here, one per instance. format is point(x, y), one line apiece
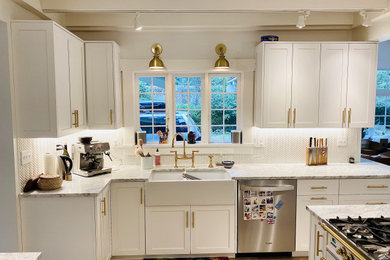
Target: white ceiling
point(205, 15)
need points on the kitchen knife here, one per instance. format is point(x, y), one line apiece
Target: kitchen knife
point(311, 141)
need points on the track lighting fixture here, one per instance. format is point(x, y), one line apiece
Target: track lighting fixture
point(366, 22)
point(137, 23)
point(302, 19)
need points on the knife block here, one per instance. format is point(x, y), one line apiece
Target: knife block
point(316, 156)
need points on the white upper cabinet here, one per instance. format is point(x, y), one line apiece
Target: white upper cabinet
point(274, 72)
point(103, 85)
point(315, 84)
point(361, 90)
point(46, 82)
point(77, 81)
point(305, 84)
point(333, 84)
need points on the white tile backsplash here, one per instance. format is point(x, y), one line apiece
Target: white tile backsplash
point(278, 146)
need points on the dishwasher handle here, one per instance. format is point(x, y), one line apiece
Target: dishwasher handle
point(268, 188)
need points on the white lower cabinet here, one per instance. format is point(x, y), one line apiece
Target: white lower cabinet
point(303, 217)
point(364, 199)
point(168, 230)
point(70, 227)
point(189, 230)
point(128, 218)
point(212, 229)
point(103, 227)
point(317, 240)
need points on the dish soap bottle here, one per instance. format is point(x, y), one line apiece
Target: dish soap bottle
point(157, 158)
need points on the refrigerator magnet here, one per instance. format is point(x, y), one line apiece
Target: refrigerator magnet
point(279, 205)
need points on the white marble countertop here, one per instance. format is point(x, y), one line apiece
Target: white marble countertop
point(365, 169)
point(354, 211)
point(82, 186)
point(19, 256)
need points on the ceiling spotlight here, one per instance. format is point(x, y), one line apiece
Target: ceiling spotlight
point(156, 63)
point(137, 24)
point(302, 19)
point(365, 22)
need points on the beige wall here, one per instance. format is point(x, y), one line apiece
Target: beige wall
point(378, 31)
point(201, 44)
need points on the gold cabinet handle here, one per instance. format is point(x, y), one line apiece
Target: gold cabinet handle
point(345, 244)
point(376, 203)
point(288, 117)
point(76, 118)
point(318, 250)
point(349, 116)
point(111, 117)
point(104, 206)
point(141, 197)
point(186, 219)
point(377, 186)
point(344, 111)
point(193, 219)
point(294, 116)
point(318, 187)
point(318, 198)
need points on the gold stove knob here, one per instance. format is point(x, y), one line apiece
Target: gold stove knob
point(341, 251)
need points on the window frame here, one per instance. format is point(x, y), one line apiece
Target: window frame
point(137, 93)
point(203, 104)
point(239, 102)
point(170, 100)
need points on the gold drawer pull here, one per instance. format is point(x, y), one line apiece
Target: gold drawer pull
point(288, 117)
point(344, 111)
point(318, 187)
point(104, 206)
point(318, 250)
point(141, 197)
point(186, 219)
point(295, 115)
point(349, 116)
point(193, 219)
point(318, 198)
point(377, 186)
point(376, 203)
point(76, 118)
point(111, 121)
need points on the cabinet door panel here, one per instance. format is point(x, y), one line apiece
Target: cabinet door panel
point(364, 199)
point(128, 224)
point(361, 92)
point(106, 225)
point(276, 97)
point(76, 77)
point(100, 84)
point(305, 84)
point(167, 230)
point(333, 84)
point(303, 217)
point(212, 229)
point(64, 114)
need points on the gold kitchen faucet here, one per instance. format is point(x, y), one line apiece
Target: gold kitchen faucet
point(184, 156)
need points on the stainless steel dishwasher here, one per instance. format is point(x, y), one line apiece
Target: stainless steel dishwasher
point(260, 235)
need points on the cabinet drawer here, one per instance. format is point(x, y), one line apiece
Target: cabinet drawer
point(317, 187)
point(364, 199)
point(365, 186)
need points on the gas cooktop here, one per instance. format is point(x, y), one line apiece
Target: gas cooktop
point(372, 235)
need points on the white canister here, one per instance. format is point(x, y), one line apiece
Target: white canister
point(146, 163)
